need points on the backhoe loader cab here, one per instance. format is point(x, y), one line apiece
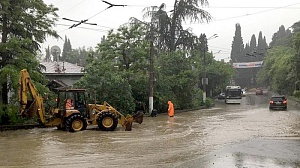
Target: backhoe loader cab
point(72, 99)
point(71, 106)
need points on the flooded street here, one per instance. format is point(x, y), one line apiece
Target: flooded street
point(242, 136)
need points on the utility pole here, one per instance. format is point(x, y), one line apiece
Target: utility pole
point(151, 78)
point(205, 79)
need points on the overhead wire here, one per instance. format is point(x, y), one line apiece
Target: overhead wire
point(72, 7)
point(275, 8)
point(270, 9)
point(218, 47)
point(254, 13)
point(111, 5)
point(87, 28)
point(84, 21)
point(251, 7)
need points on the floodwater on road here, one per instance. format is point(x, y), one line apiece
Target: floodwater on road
point(246, 135)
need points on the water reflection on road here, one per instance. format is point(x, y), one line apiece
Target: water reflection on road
point(224, 136)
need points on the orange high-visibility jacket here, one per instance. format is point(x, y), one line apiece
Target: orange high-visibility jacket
point(69, 104)
point(170, 109)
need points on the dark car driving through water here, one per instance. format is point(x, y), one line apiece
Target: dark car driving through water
point(278, 102)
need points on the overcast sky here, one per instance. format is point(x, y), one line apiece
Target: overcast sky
point(253, 16)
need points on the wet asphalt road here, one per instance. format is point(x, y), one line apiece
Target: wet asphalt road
point(242, 136)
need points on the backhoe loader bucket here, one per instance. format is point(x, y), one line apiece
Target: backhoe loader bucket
point(138, 117)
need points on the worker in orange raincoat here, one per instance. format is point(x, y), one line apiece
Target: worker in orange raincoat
point(170, 109)
point(69, 104)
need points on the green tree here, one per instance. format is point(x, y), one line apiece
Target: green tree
point(23, 25)
point(262, 47)
point(237, 47)
point(79, 56)
point(238, 54)
point(296, 58)
point(169, 30)
point(176, 80)
point(278, 70)
point(219, 74)
point(104, 83)
point(249, 74)
point(67, 48)
point(252, 48)
point(282, 61)
point(127, 47)
point(247, 52)
point(48, 55)
point(281, 37)
point(22, 59)
point(123, 55)
point(121, 63)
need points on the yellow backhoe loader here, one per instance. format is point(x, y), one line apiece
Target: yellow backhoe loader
point(72, 112)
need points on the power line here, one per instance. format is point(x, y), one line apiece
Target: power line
point(72, 7)
point(110, 6)
point(258, 12)
point(251, 7)
point(254, 13)
point(218, 47)
point(87, 28)
point(94, 24)
point(122, 5)
point(84, 21)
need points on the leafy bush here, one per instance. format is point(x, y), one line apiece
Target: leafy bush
point(11, 111)
point(197, 99)
point(208, 102)
point(296, 94)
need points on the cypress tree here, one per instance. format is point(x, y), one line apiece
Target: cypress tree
point(67, 48)
point(237, 47)
point(48, 55)
point(238, 53)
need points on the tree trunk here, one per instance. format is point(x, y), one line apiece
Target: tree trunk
point(3, 55)
point(173, 28)
point(4, 93)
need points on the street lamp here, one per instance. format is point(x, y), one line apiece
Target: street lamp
point(205, 79)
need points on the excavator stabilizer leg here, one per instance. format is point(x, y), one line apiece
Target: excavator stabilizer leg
point(128, 126)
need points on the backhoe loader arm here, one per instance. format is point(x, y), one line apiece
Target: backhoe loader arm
point(33, 107)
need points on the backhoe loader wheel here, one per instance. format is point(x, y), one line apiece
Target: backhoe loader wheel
point(76, 122)
point(107, 121)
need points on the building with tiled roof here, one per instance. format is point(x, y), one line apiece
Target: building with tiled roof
point(65, 72)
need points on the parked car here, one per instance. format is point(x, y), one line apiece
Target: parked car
point(221, 96)
point(278, 102)
point(259, 91)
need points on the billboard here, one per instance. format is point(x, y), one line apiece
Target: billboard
point(247, 64)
